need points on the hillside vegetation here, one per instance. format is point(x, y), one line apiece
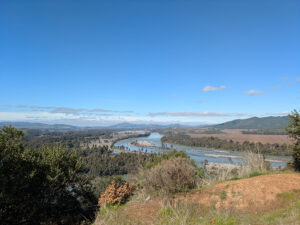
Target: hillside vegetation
point(271, 122)
point(259, 200)
point(256, 199)
point(55, 177)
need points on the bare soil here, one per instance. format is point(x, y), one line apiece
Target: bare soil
point(255, 194)
point(252, 194)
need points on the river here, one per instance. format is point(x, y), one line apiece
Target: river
point(199, 155)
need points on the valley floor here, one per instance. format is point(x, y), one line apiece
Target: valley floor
point(237, 135)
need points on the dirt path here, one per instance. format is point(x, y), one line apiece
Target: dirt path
point(251, 194)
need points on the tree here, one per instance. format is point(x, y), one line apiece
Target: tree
point(294, 132)
point(41, 186)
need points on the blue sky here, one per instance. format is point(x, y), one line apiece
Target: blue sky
point(104, 62)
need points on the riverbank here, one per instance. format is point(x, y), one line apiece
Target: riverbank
point(143, 144)
point(216, 143)
point(198, 154)
point(123, 136)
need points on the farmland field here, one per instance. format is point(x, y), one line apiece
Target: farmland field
point(236, 135)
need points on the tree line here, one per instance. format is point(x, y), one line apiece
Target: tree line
point(217, 143)
point(266, 132)
point(50, 178)
point(47, 185)
point(34, 138)
point(102, 161)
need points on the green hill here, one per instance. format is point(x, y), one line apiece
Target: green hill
point(271, 122)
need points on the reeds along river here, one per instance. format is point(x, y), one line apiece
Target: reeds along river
point(199, 155)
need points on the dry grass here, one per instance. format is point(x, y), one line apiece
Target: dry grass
point(177, 213)
point(255, 164)
point(237, 136)
point(190, 214)
point(269, 199)
point(112, 216)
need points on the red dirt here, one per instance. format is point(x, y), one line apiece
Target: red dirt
point(251, 194)
point(236, 135)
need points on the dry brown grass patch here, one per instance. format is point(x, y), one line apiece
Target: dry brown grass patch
point(116, 194)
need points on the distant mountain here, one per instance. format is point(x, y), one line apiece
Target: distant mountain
point(29, 125)
point(120, 126)
point(271, 122)
point(141, 126)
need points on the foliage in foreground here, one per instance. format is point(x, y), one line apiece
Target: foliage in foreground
point(100, 183)
point(178, 213)
point(116, 194)
point(294, 132)
point(43, 186)
point(157, 159)
point(169, 176)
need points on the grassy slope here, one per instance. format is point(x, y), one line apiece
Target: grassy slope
point(281, 207)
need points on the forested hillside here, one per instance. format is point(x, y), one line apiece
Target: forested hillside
point(271, 122)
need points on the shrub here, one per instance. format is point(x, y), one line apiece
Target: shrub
point(256, 162)
point(101, 183)
point(165, 156)
point(255, 165)
point(294, 132)
point(116, 194)
point(42, 186)
point(170, 176)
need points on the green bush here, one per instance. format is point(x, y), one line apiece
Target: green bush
point(165, 156)
point(43, 186)
point(169, 176)
point(101, 183)
point(294, 133)
point(255, 174)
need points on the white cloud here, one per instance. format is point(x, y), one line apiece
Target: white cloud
point(110, 111)
point(193, 114)
point(98, 120)
point(69, 110)
point(211, 88)
point(283, 113)
point(254, 92)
